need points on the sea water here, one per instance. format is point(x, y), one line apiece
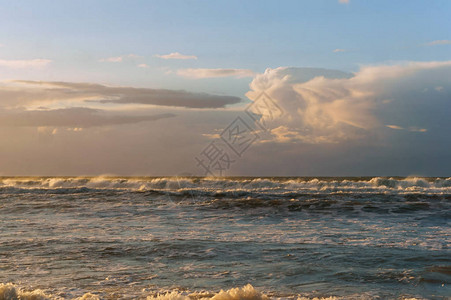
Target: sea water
point(252, 238)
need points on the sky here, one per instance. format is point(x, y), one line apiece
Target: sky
point(225, 88)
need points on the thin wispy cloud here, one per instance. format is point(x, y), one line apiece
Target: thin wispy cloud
point(143, 66)
point(439, 42)
point(175, 55)
point(412, 129)
point(338, 50)
point(118, 59)
point(214, 73)
point(20, 64)
point(416, 129)
point(394, 127)
point(112, 59)
point(73, 117)
point(343, 1)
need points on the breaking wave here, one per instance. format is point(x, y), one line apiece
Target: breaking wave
point(10, 291)
point(240, 186)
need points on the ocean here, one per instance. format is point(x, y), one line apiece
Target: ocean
point(225, 238)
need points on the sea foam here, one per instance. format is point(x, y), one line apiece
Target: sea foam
point(10, 291)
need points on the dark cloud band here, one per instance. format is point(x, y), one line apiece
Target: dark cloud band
point(131, 95)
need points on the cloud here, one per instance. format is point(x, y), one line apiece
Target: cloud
point(415, 129)
point(75, 118)
point(439, 42)
point(283, 134)
point(343, 1)
point(20, 64)
point(339, 50)
point(46, 130)
point(394, 127)
point(213, 73)
point(412, 129)
point(320, 106)
point(118, 59)
point(176, 55)
point(291, 75)
point(143, 66)
point(112, 59)
point(41, 92)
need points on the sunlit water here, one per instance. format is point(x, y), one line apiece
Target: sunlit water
point(130, 238)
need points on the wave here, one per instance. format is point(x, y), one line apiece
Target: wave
point(228, 186)
point(11, 292)
point(248, 292)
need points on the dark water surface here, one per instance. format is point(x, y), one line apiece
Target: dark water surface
point(352, 238)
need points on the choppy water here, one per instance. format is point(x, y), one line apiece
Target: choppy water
point(132, 238)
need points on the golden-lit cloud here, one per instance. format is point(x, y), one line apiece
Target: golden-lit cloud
point(394, 127)
point(411, 128)
point(322, 106)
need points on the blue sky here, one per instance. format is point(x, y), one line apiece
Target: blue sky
point(74, 70)
point(222, 34)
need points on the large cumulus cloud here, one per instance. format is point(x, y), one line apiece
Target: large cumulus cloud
point(328, 106)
